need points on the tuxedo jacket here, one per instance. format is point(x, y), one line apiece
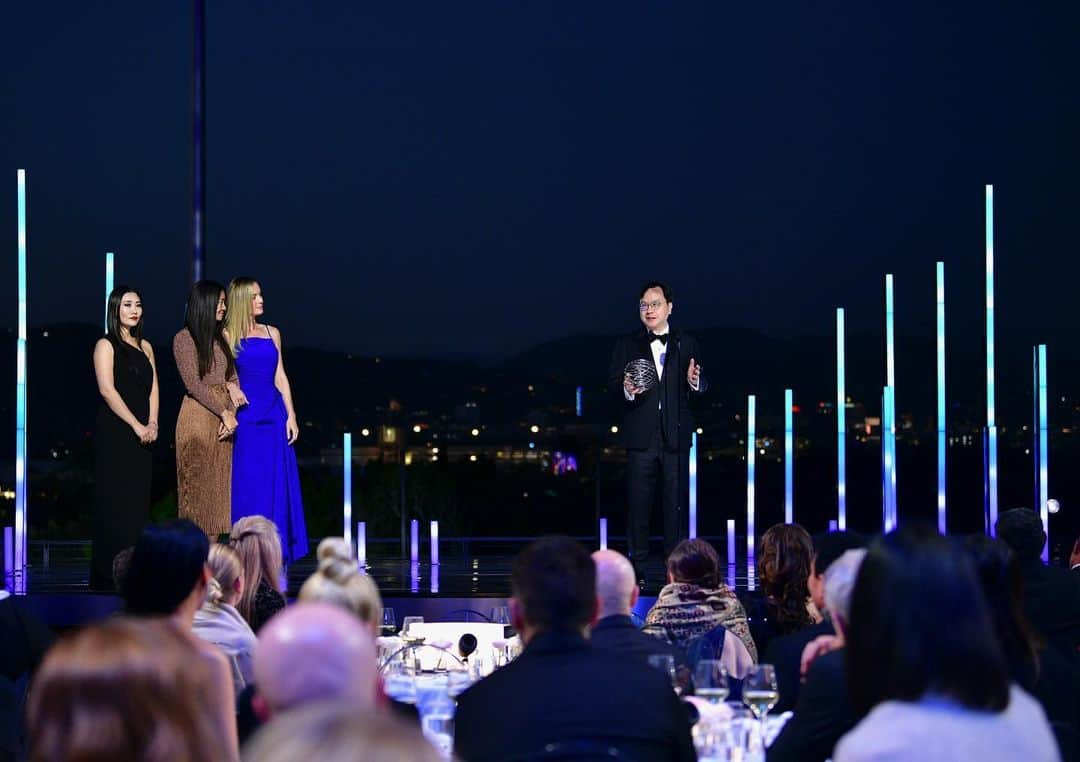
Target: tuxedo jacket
point(662, 405)
point(823, 714)
point(562, 691)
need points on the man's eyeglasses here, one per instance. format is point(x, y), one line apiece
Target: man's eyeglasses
point(646, 306)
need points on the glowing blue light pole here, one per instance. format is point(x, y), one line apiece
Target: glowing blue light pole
point(434, 543)
point(890, 381)
point(888, 439)
point(108, 284)
point(20, 400)
point(789, 457)
point(942, 524)
point(731, 553)
point(841, 425)
point(346, 453)
point(603, 533)
point(991, 425)
point(1043, 432)
point(361, 542)
point(693, 486)
point(578, 406)
point(751, 452)
point(414, 544)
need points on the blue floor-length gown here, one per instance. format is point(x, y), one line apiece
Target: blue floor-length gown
point(264, 479)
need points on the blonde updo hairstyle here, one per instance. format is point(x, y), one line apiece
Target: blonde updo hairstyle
point(340, 581)
point(226, 568)
point(258, 545)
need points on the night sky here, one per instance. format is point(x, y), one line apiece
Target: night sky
point(473, 178)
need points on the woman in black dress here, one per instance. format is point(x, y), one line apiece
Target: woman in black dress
point(127, 423)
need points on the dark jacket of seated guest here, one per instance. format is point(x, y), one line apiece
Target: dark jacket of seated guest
point(618, 634)
point(1052, 603)
point(785, 654)
point(822, 715)
point(266, 603)
point(563, 690)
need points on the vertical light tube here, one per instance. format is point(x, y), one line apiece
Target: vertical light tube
point(435, 578)
point(578, 407)
point(20, 399)
point(841, 424)
point(361, 542)
point(434, 543)
point(9, 560)
point(789, 457)
point(1043, 435)
point(346, 454)
point(991, 424)
point(693, 486)
point(731, 542)
point(888, 519)
point(751, 452)
point(942, 523)
point(890, 381)
point(832, 525)
point(108, 284)
point(603, 533)
point(414, 545)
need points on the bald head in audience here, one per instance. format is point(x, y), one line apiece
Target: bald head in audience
point(312, 652)
point(616, 587)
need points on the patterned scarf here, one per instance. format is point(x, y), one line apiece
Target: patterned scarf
point(685, 611)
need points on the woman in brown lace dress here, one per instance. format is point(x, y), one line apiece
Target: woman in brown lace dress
point(207, 414)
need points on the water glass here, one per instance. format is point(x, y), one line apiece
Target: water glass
point(408, 622)
point(500, 615)
point(666, 664)
point(711, 681)
point(389, 622)
point(760, 692)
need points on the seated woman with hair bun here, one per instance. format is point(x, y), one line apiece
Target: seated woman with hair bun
point(339, 581)
point(218, 621)
point(695, 602)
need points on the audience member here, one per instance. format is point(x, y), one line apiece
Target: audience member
point(25, 640)
point(562, 695)
point(333, 731)
point(169, 578)
point(925, 670)
point(1035, 665)
point(125, 689)
point(1074, 557)
point(614, 631)
point(785, 652)
point(695, 601)
point(256, 540)
point(1051, 595)
point(340, 581)
point(314, 652)
point(218, 621)
point(120, 564)
point(823, 712)
point(783, 568)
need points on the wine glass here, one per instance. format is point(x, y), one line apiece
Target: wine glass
point(711, 681)
point(389, 622)
point(760, 693)
point(407, 623)
point(500, 615)
point(666, 664)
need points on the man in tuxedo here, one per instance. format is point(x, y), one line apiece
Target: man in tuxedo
point(562, 697)
point(657, 422)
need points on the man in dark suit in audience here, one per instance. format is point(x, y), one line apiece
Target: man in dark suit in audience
point(1051, 594)
point(562, 695)
point(823, 712)
point(785, 652)
point(615, 631)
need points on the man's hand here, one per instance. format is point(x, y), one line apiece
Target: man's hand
point(693, 374)
point(819, 646)
point(628, 386)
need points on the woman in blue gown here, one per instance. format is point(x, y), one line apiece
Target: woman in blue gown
point(264, 479)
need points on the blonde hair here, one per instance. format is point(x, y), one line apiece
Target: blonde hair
point(241, 312)
point(126, 688)
point(333, 731)
point(340, 581)
point(226, 568)
point(256, 541)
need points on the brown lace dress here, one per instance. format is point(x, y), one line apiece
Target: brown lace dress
point(203, 464)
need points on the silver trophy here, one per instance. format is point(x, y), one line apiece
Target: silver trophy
point(642, 374)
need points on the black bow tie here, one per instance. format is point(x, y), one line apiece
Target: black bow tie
point(662, 338)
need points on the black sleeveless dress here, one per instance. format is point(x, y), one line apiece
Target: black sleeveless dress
point(122, 466)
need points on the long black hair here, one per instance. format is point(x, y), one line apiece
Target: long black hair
point(204, 327)
point(112, 319)
point(920, 624)
point(165, 567)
